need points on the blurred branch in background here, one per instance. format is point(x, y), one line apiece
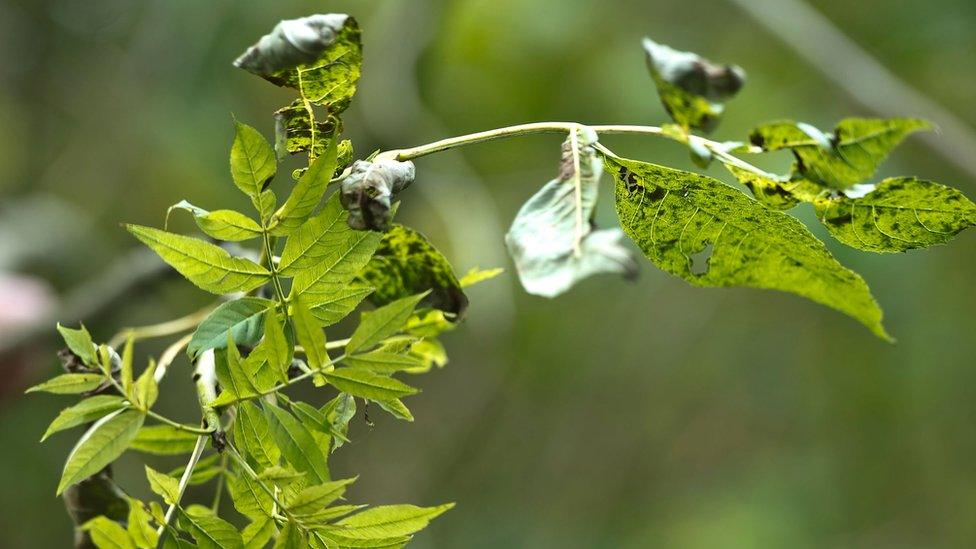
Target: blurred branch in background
point(817, 40)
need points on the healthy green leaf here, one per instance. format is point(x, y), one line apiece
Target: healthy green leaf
point(387, 521)
point(207, 266)
point(331, 307)
point(209, 531)
point(405, 264)
point(243, 318)
point(85, 411)
point(108, 534)
point(257, 534)
point(310, 335)
point(80, 343)
point(691, 88)
point(265, 204)
point(100, 445)
point(205, 470)
point(339, 411)
point(296, 443)
point(163, 440)
point(236, 380)
point(125, 374)
point(365, 384)
point(316, 419)
point(316, 498)
point(277, 350)
point(396, 408)
point(307, 193)
point(163, 485)
point(552, 241)
point(900, 214)
point(325, 244)
point(252, 436)
point(249, 498)
point(139, 526)
point(252, 160)
point(225, 225)
point(384, 363)
point(320, 56)
point(292, 537)
point(146, 388)
point(69, 384)
point(385, 321)
point(676, 216)
point(849, 155)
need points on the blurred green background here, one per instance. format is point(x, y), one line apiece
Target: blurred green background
point(651, 414)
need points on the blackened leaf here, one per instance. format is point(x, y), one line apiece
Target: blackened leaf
point(900, 214)
point(252, 161)
point(207, 266)
point(225, 225)
point(244, 318)
point(320, 55)
point(369, 190)
point(405, 264)
point(691, 88)
point(552, 240)
point(675, 217)
point(849, 155)
point(100, 445)
point(295, 131)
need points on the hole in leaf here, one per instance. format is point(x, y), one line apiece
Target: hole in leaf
point(699, 261)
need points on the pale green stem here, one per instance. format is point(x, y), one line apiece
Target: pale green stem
point(184, 480)
point(162, 329)
point(180, 426)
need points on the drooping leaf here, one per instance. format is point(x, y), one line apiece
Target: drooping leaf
point(85, 411)
point(243, 318)
point(207, 266)
point(320, 56)
point(370, 189)
point(849, 155)
point(385, 321)
point(900, 214)
point(387, 521)
point(80, 343)
point(140, 527)
point(676, 217)
point(209, 531)
point(405, 264)
point(365, 384)
point(249, 498)
point(252, 160)
point(296, 443)
point(108, 534)
point(691, 88)
point(163, 485)
point(552, 240)
point(325, 254)
point(253, 437)
point(225, 225)
point(69, 384)
point(100, 445)
point(163, 440)
point(307, 193)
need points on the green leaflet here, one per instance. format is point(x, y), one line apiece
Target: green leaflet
point(80, 343)
point(776, 192)
point(163, 485)
point(225, 225)
point(380, 362)
point(313, 499)
point(405, 264)
point(311, 337)
point(385, 321)
point(85, 411)
point(552, 240)
point(388, 521)
point(108, 534)
point(365, 384)
point(163, 440)
point(252, 161)
point(146, 389)
point(330, 308)
point(307, 193)
point(243, 318)
point(209, 531)
point(257, 534)
point(674, 216)
point(691, 88)
point(396, 408)
point(339, 411)
point(206, 469)
point(292, 537)
point(325, 254)
point(249, 498)
point(900, 214)
point(253, 437)
point(265, 204)
point(69, 384)
point(296, 443)
point(316, 420)
point(101, 444)
point(140, 528)
point(207, 266)
point(277, 350)
point(849, 155)
point(236, 380)
point(320, 56)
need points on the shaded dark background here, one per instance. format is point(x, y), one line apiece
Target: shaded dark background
point(621, 415)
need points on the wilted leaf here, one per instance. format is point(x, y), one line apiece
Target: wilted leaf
point(85, 411)
point(296, 443)
point(385, 321)
point(849, 155)
point(207, 266)
point(900, 214)
point(69, 384)
point(405, 264)
point(243, 318)
point(100, 445)
point(369, 190)
point(677, 217)
point(163, 440)
point(252, 161)
point(691, 88)
point(296, 132)
point(225, 225)
point(552, 240)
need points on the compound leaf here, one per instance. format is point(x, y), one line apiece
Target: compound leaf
point(101, 444)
